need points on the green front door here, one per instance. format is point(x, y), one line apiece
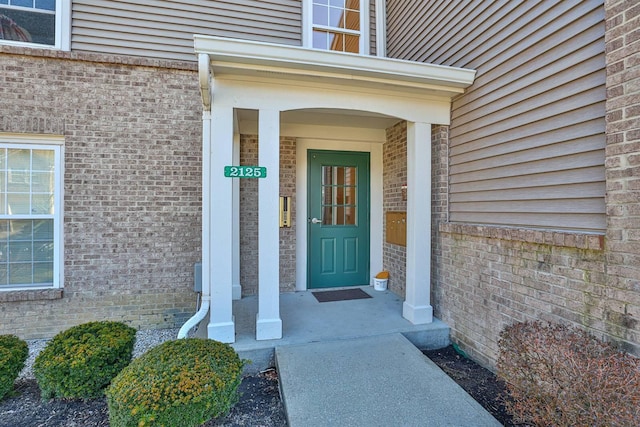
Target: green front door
point(338, 224)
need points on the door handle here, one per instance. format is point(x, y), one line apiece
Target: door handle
point(316, 221)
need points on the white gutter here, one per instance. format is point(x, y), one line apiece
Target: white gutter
point(205, 87)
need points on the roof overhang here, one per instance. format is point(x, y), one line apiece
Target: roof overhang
point(222, 56)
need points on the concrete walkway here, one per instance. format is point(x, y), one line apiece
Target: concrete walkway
point(371, 381)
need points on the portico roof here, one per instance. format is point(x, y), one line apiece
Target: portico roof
point(264, 60)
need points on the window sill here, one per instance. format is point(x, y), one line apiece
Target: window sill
point(30, 295)
point(569, 239)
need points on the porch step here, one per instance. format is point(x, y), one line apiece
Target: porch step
point(372, 381)
point(305, 320)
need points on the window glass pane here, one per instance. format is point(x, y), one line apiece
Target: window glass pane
point(350, 215)
point(349, 195)
point(20, 251)
point(352, 44)
point(43, 160)
point(18, 181)
point(42, 204)
point(327, 195)
point(339, 216)
point(18, 204)
point(20, 274)
point(43, 272)
point(352, 20)
point(4, 274)
point(337, 3)
point(46, 4)
point(320, 15)
point(336, 42)
point(327, 216)
point(23, 3)
point(336, 17)
point(19, 159)
point(20, 230)
point(4, 252)
point(3, 159)
point(353, 4)
point(42, 182)
point(43, 229)
point(43, 251)
point(28, 26)
point(350, 174)
point(327, 175)
point(320, 39)
point(339, 196)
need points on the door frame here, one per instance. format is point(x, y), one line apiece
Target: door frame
point(375, 209)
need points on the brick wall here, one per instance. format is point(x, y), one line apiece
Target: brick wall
point(622, 37)
point(249, 217)
point(439, 203)
point(394, 177)
point(132, 185)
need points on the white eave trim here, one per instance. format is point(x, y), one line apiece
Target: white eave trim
point(233, 56)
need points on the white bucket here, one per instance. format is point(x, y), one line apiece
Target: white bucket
point(380, 284)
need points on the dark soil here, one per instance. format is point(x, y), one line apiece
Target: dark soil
point(259, 405)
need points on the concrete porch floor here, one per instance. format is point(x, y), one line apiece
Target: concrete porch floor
point(306, 320)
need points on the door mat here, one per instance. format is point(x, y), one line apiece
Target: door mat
point(340, 295)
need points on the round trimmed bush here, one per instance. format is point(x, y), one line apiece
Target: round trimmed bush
point(13, 354)
point(183, 383)
point(81, 361)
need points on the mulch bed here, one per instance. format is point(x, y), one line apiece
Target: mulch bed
point(259, 404)
point(479, 382)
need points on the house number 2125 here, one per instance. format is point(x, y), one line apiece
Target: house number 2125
point(245, 172)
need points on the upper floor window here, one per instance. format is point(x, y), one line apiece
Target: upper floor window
point(30, 215)
point(338, 25)
point(35, 22)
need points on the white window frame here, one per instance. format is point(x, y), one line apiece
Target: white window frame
point(307, 26)
point(55, 143)
point(63, 29)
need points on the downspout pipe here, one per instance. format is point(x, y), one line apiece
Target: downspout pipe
point(205, 89)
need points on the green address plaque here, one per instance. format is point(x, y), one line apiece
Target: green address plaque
point(245, 172)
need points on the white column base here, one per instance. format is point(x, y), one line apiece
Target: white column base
point(223, 332)
point(268, 329)
point(417, 315)
point(236, 292)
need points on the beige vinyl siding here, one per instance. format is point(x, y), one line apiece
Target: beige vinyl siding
point(527, 139)
point(165, 29)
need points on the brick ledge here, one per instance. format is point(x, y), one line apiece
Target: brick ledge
point(107, 58)
point(30, 295)
point(568, 239)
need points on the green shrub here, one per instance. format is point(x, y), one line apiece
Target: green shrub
point(13, 354)
point(561, 376)
point(183, 382)
point(81, 361)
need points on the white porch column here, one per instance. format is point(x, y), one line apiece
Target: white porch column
point(236, 289)
point(417, 305)
point(220, 189)
point(268, 322)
